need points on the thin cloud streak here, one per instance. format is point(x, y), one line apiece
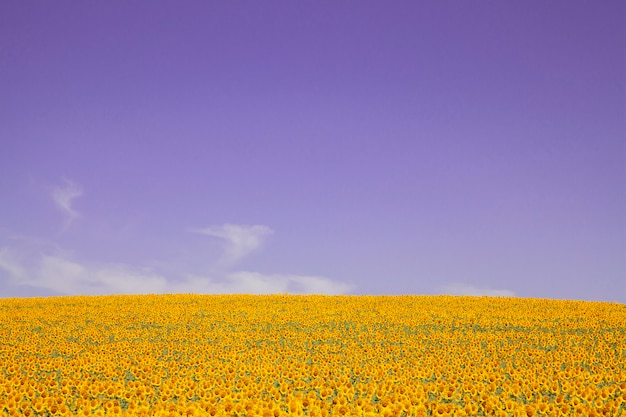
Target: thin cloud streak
point(10, 264)
point(66, 276)
point(63, 275)
point(458, 288)
point(41, 266)
point(63, 196)
point(240, 240)
point(296, 284)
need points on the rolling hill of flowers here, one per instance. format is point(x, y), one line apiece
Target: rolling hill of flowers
point(278, 355)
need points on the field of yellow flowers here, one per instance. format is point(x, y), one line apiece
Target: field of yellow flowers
point(244, 355)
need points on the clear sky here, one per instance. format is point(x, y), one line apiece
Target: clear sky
point(356, 147)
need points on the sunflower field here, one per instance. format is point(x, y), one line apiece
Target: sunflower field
point(279, 355)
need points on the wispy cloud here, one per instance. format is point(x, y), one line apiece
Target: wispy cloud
point(34, 265)
point(247, 282)
point(44, 266)
point(458, 288)
point(10, 263)
point(236, 283)
point(306, 284)
point(240, 240)
point(279, 283)
point(63, 275)
point(63, 196)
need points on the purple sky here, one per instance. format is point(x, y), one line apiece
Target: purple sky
point(359, 147)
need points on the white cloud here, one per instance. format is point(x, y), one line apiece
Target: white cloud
point(200, 285)
point(66, 276)
point(61, 274)
point(247, 282)
point(306, 284)
point(466, 289)
point(240, 240)
point(10, 264)
point(63, 197)
point(39, 265)
point(257, 283)
point(128, 280)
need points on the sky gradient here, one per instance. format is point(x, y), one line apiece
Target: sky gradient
point(313, 147)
